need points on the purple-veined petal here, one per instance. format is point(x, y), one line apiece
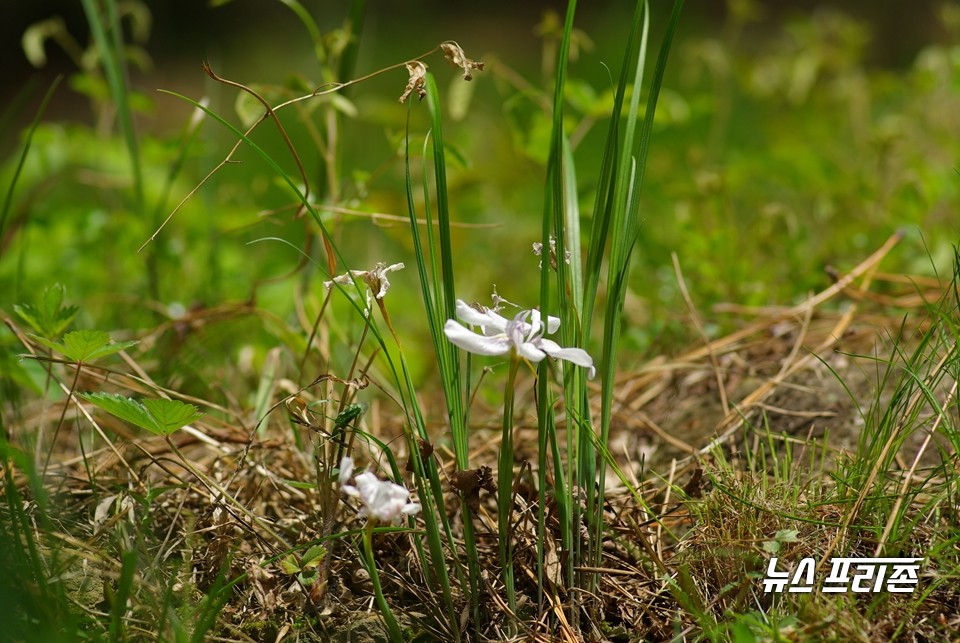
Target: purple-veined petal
point(553, 325)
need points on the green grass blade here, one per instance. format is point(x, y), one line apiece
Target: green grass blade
point(106, 33)
point(437, 286)
point(552, 226)
point(626, 226)
point(603, 207)
point(448, 300)
point(653, 95)
point(8, 198)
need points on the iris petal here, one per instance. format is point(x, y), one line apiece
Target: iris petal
point(474, 343)
point(487, 320)
point(576, 356)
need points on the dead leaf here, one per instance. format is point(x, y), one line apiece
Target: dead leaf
point(454, 54)
point(426, 450)
point(418, 78)
point(469, 483)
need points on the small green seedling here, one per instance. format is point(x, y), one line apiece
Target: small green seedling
point(782, 536)
point(51, 317)
point(306, 568)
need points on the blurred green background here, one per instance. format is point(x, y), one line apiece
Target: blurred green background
point(788, 138)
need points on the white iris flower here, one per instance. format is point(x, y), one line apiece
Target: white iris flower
point(382, 499)
point(502, 336)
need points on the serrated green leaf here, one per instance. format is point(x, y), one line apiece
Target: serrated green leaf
point(787, 535)
point(81, 344)
point(313, 557)
point(171, 415)
point(125, 409)
point(62, 319)
point(307, 578)
point(87, 345)
point(31, 315)
point(110, 349)
point(51, 318)
point(52, 300)
point(44, 323)
point(771, 546)
point(49, 343)
point(290, 565)
point(84, 345)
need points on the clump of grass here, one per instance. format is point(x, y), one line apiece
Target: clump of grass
point(889, 497)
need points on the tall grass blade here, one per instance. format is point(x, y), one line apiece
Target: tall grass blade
point(437, 288)
point(8, 198)
point(626, 226)
point(107, 34)
point(553, 228)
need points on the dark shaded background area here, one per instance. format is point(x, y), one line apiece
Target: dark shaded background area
point(258, 32)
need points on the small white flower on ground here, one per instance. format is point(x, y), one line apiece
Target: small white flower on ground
point(382, 499)
point(518, 336)
point(376, 279)
point(346, 470)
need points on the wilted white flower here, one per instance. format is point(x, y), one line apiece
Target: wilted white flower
point(517, 336)
point(382, 499)
point(376, 278)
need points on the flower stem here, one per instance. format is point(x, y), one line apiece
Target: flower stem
point(393, 628)
point(505, 486)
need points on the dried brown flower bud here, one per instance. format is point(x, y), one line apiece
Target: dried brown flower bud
point(418, 77)
point(454, 54)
